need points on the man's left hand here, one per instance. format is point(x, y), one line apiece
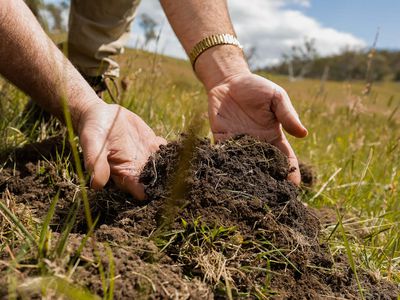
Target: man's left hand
point(246, 103)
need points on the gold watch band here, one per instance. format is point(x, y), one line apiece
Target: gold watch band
point(212, 41)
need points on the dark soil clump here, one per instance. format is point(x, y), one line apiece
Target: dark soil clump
point(308, 175)
point(220, 221)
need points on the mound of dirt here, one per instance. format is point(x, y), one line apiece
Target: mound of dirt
point(221, 221)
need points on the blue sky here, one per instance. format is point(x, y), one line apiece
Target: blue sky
point(274, 26)
point(361, 18)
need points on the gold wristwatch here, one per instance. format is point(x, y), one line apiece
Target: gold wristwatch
point(212, 41)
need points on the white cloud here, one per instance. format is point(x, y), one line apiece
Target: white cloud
point(305, 3)
point(272, 26)
point(168, 43)
point(269, 25)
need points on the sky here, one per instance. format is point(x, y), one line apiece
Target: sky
point(361, 18)
point(274, 26)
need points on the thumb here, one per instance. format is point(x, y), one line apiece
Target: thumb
point(130, 184)
point(283, 145)
point(96, 161)
point(287, 115)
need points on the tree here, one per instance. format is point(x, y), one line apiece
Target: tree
point(251, 55)
point(56, 13)
point(149, 25)
point(300, 60)
point(36, 6)
point(55, 10)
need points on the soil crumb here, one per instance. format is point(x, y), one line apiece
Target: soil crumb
point(221, 221)
point(308, 175)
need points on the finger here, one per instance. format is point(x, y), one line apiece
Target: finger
point(287, 115)
point(283, 145)
point(131, 185)
point(158, 141)
point(96, 162)
point(220, 137)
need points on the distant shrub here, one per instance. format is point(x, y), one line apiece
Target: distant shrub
point(350, 65)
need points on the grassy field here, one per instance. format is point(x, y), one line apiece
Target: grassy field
point(353, 145)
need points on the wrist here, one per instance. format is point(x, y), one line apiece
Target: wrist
point(80, 111)
point(219, 63)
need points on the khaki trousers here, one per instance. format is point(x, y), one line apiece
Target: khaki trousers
point(98, 29)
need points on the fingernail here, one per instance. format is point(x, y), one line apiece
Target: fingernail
point(91, 180)
point(304, 128)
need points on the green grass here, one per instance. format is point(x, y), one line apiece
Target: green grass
point(356, 153)
point(354, 145)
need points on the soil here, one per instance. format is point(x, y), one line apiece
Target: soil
point(220, 221)
point(308, 175)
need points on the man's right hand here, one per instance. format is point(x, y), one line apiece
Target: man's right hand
point(116, 143)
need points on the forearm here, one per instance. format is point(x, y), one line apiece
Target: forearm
point(30, 60)
point(192, 21)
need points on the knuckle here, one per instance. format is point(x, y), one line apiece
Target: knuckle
point(280, 93)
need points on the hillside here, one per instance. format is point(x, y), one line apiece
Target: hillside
point(221, 220)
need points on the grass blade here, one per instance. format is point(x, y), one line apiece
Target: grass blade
point(14, 220)
point(60, 286)
point(46, 223)
point(349, 254)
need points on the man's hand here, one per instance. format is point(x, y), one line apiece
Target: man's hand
point(239, 102)
point(116, 143)
point(250, 104)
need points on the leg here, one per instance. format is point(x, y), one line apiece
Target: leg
point(98, 29)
